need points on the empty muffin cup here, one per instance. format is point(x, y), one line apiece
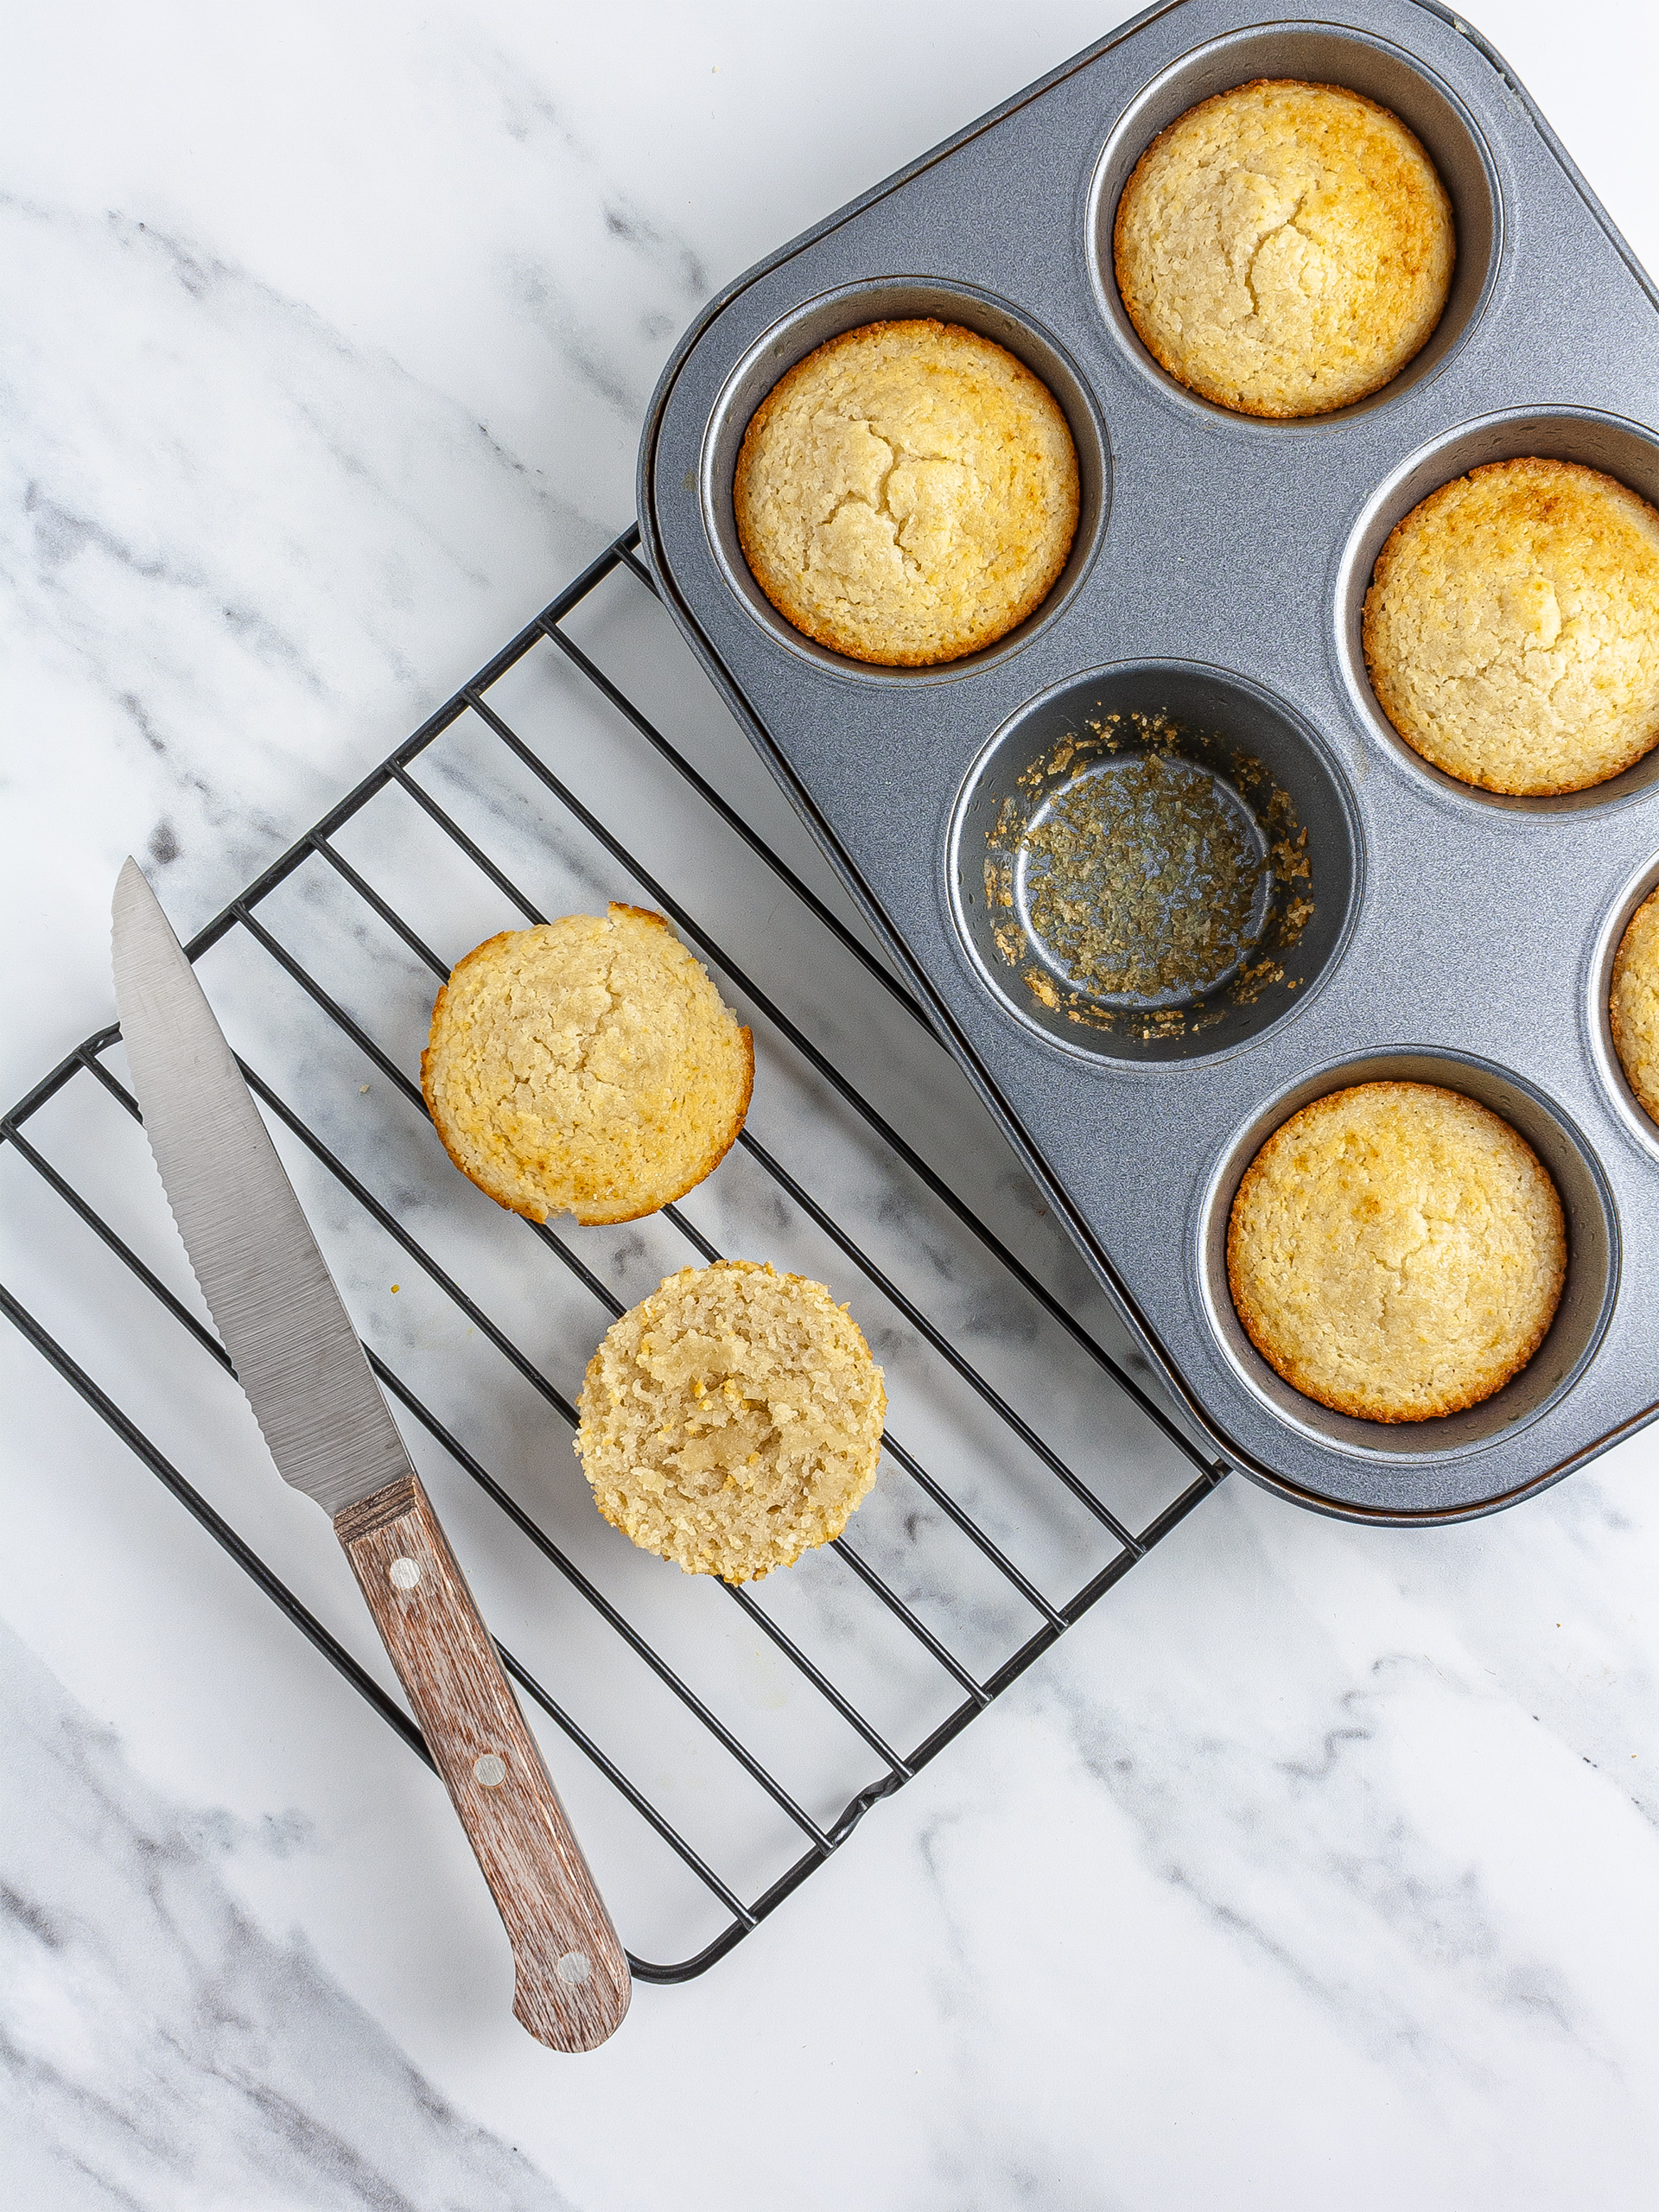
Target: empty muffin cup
point(1153, 861)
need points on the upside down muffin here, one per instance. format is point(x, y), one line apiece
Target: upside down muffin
point(732, 1419)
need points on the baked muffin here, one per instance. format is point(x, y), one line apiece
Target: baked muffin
point(907, 493)
point(1512, 628)
point(1633, 1005)
point(586, 1066)
point(1396, 1252)
point(732, 1419)
point(1283, 248)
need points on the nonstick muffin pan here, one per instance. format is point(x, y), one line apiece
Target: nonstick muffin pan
point(1216, 579)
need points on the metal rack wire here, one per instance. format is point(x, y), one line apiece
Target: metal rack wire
point(971, 1688)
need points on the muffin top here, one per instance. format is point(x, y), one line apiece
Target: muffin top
point(1633, 1006)
point(907, 493)
point(1512, 628)
point(1395, 1251)
point(732, 1419)
point(586, 1066)
point(1283, 248)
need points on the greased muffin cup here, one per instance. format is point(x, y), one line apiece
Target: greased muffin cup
point(1185, 731)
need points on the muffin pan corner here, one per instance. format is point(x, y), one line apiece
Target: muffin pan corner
point(1219, 569)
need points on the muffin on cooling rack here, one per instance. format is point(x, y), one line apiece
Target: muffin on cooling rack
point(732, 1419)
point(586, 1066)
point(1396, 1251)
point(1512, 628)
point(907, 493)
point(1284, 249)
point(1633, 1005)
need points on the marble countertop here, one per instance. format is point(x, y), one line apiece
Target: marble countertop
point(1315, 1866)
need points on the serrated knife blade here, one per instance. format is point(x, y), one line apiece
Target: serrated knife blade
point(268, 1287)
point(332, 1435)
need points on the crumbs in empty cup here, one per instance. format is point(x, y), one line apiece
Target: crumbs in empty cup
point(1144, 872)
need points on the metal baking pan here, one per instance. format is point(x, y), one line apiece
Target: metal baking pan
point(1218, 575)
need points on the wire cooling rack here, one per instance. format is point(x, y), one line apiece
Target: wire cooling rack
point(730, 1739)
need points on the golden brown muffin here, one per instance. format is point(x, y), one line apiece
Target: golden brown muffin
point(586, 1066)
point(1512, 628)
point(732, 1419)
point(907, 493)
point(1283, 248)
point(1633, 1005)
point(1396, 1252)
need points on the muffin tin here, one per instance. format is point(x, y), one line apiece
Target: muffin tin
point(1218, 575)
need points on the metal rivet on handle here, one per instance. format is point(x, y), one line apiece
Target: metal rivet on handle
point(406, 1572)
point(575, 1967)
point(491, 1770)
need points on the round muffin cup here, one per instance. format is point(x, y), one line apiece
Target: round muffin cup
point(894, 300)
point(1248, 722)
point(1607, 443)
point(1597, 1023)
point(1314, 53)
point(1587, 1297)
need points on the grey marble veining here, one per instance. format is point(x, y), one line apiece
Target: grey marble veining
point(158, 2047)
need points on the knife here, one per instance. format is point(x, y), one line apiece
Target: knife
point(332, 1435)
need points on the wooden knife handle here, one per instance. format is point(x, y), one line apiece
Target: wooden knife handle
point(572, 1974)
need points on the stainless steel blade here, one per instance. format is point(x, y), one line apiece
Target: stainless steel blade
point(281, 1320)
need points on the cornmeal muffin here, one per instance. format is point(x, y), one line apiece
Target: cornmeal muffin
point(907, 493)
point(1284, 249)
point(1633, 1006)
point(1396, 1251)
point(732, 1419)
point(1512, 628)
point(586, 1066)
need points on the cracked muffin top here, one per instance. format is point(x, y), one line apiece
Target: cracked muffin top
point(1396, 1251)
point(907, 493)
point(586, 1066)
point(1284, 249)
point(1512, 628)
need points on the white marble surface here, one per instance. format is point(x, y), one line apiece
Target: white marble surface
point(1317, 1866)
